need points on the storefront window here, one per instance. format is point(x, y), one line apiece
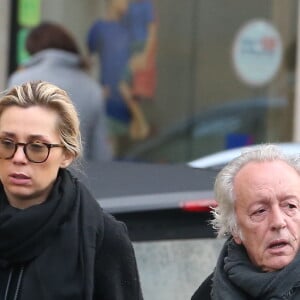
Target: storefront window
point(200, 95)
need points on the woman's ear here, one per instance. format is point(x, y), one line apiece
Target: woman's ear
point(68, 157)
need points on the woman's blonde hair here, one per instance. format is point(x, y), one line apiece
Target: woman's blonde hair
point(45, 94)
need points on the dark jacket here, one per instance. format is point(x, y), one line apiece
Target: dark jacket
point(69, 248)
point(204, 290)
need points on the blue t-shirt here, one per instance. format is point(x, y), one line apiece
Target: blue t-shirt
point(140, 14)
point(114, 41)
point(110, 39)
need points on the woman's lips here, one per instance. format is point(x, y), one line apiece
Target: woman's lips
point(19, 178)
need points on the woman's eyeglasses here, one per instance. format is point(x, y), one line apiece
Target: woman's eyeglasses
point(35, 152)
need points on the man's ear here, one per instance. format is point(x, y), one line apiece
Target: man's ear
point(237, 239)
point(237, 236)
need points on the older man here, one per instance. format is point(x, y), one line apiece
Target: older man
point(258, 197)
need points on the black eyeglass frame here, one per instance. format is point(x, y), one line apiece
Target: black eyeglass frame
point(24, 145)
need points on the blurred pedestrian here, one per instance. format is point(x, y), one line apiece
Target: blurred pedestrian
point(56, 58)
point(138, 83)
point(55, 240)
point(111, 38)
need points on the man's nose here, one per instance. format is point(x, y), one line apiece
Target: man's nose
point(278, 220)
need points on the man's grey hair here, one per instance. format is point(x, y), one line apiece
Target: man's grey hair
point(224, 221)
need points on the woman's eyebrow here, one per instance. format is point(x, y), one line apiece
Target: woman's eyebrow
point(30, 137)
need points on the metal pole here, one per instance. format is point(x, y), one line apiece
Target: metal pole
point(296, 127)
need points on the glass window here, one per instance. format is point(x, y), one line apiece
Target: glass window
point(191, 101)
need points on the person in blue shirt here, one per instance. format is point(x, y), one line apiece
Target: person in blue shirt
point(142, 25)
point(113, 39)
point(139, 80)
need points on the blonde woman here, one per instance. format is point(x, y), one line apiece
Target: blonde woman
point(55, 240)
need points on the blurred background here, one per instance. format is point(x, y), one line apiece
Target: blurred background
point(226, 71)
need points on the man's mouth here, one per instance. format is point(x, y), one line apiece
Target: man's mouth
point(278, 244)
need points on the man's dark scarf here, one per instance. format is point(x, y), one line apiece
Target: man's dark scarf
point(30, 237)
point(237, 278)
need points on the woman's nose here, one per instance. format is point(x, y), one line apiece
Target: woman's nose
point(19, 154)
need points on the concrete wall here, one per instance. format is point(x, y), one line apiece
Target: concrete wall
point(173, 270)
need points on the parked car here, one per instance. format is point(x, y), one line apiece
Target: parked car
point(219, 159)
point(235, 123)
point(167, 211)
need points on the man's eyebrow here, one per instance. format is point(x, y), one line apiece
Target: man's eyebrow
point(6, 133)
point(289, 197)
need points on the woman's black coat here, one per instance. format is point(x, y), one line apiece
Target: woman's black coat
point(65, 248)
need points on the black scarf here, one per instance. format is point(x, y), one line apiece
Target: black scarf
point(53, 240)
point(237, 278)
point(25, 233)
